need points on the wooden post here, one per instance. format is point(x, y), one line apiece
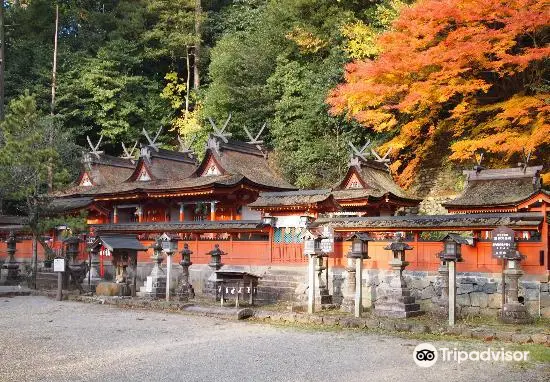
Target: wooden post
point(452, 292)
point(115, 215)
point(358, 286)
point(503, 276)
point(237, 294)
point(168, 269)
point(251, 297)
point(311, 290)
point(59, 296)
point(222, 293)
point(212, 211)
point(182, 212)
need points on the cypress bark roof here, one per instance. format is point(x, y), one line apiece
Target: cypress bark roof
point(106, 169)
point(240, 158)
point(291, 198)
point(192, 226)
point(375, 182)
point(498, 187)
point(526, 220)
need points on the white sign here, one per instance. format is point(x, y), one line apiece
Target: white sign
point(59, 265)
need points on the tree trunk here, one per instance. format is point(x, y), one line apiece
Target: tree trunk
point(2, 62)
point(34, 258)
point(188, 61)
point(197, 50)
point(52, 105)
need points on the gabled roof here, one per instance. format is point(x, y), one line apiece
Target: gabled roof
point(240, 158)
point(497, 187)
point(318, 199)
point(103, 169)
point(164, 164)
point(375, 181)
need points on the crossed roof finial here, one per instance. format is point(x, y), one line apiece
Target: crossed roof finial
point(478, 167)
point(186, 147)
point(220, 133)
point(384, 159)
point(255, 140)
point(152, 142)
point(526, 157)
point(359, 153)
point(94, 149)
point(129, 154)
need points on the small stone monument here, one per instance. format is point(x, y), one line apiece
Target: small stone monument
point(155, 284)
point(396, 300)
point(348, 303)
point(322, 294)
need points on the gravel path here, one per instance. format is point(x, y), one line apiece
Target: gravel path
point(45, 340)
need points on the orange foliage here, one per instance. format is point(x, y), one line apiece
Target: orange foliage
point(458, 74)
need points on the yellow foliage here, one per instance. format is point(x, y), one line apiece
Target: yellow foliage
point(307, 42)
point(360, 40)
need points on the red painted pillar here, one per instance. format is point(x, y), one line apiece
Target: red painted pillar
point(115, 215)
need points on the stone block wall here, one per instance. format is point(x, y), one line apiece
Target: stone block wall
point(478, 294)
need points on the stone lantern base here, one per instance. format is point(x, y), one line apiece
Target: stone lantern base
point(398, 303)
point(515, 313)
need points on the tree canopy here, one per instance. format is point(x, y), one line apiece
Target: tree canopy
point(454, 77)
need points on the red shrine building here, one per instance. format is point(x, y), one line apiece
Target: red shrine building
point(235, 199)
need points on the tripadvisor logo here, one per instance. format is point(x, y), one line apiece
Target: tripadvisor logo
point(426, 355)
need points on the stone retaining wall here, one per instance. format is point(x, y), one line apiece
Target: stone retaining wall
point(477, 293)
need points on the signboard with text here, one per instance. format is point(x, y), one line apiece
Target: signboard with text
point(59, 265)
point(503, 242)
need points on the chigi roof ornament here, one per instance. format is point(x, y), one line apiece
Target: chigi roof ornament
point(526, 156)
point(478, 167)
point(220, 133)
point(385, 159)
point(152, 142)
point(185, 148)
point(129, 154)
point(256, 140)
point(94, 149)
point(359, 154)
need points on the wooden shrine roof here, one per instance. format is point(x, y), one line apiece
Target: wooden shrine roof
point(464, 222)
point(375, 182)
point(306, 198)
point(241, 158)
point(105, 169)
point(497, 188)
point(190, 226)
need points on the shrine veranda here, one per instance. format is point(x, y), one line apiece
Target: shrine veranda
point(233, 198)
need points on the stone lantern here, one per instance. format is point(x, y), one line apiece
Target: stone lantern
point(216, 257)
point(269, 221)
point(514, 312)
point(396, 300)
point(10, 268)
point(451, 254)
point(169, 245)
point(185, 289)
point(353, 291)
point(313, 249)
point(76, 271)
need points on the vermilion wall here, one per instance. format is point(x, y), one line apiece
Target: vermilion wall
point(423, 256)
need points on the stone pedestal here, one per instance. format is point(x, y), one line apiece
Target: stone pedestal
point(443, 300)
point(184, 290)
point(92, 278)
point(348, 303)
point(396, 300)
point(513, 311)
point(322, 295)
point(155, 284)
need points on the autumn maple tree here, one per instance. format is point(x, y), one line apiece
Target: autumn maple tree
point(454, 77)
